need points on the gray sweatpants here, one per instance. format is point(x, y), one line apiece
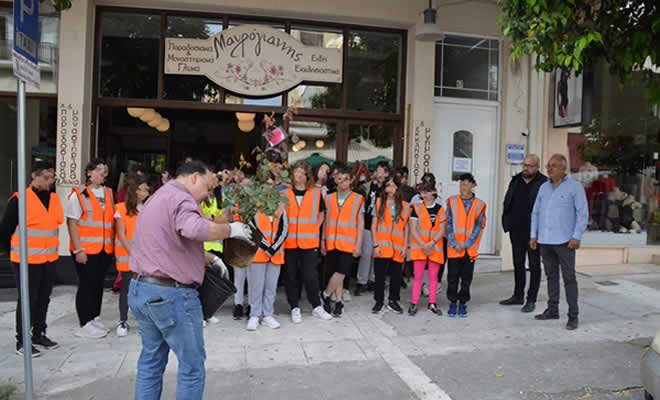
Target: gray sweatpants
point(365, 270)
point(262, 288)
point(240, 275)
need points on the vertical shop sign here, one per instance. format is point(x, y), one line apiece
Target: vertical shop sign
point(69, 144)
point(422, 144)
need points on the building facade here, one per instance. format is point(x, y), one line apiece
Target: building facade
point(447, 107)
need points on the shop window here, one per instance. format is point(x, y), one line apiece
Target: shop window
point(374, 71)
point(315, 96)
point(462, 154)
point(129, 55)
point(48, 52)
point(615, 158)
point(316, 144)
point(186, 87)
point(371, 144)
point(467, 67)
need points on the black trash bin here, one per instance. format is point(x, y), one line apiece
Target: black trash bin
point(213, 293)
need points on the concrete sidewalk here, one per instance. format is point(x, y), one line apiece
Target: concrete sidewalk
point(495, 353)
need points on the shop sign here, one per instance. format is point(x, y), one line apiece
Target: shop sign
point(515, 153)
point(69, 145)
point(253, 60)
point(26, 42)
point(422, 140)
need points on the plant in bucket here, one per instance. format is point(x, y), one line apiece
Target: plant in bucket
point(259, 193)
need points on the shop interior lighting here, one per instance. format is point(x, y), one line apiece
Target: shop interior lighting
point(246, 126)
point(164, 125)
point(135, 112)
point(320, 144)
point(148, 115)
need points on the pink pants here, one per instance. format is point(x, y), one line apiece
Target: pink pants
point(419, 277)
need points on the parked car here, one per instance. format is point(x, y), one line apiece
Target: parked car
point(650, 369)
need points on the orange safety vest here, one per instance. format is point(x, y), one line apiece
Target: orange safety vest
point(96, 225)
point(427, 232)
point(304, 226)
point(463, 224)
point(121, 254)
point(269, 229)
point(42, 229)
point(391, 239)
point(341, 227)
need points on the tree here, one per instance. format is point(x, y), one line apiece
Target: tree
point(59, 5)
point(574, 34)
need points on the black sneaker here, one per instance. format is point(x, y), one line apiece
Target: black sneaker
point(326, 302)
point(395, 307)
point(572, 323)
point(20, 352)
point(339, 309)
point(378, 307)
point(44, 342)
point(413, 309)
point(528, 307)
point(238, 311)
point(547, 314)
point(247, 312)
point(434, 309)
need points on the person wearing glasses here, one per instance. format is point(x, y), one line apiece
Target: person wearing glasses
point(559, 218)
point(517, 220)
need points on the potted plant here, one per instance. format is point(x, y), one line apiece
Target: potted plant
point(260, 193)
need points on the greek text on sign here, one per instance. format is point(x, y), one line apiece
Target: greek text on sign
point(69, 146)
point(422, 137)
point(253, 60)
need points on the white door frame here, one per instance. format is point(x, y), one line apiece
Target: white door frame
point(493, 205)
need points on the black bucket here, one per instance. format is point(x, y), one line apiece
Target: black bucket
point(213, 293)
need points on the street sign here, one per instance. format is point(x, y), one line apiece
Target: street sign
point(515, 153)
point(25, 54)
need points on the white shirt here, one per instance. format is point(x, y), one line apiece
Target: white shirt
point(417, 198)
point(73, 207)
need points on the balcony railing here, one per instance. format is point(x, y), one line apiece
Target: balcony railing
point(48, 52)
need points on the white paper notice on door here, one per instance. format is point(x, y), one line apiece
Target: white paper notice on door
point(462, 164)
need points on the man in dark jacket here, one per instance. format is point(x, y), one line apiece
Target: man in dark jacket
point(516, 219)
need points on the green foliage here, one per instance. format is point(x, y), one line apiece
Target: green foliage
point(574, 34)
point(7, 392)
point(59, 5)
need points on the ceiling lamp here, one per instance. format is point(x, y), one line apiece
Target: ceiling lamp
point(148, 115)
point(319, 144)
point(164, 125)
point(245, 116)
point(135, 112)
point(246, 126)
point(156, 121)
point(301, 144)
point(429, 31)
point(295, 147)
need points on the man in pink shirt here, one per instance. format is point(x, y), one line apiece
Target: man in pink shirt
point(167, 259)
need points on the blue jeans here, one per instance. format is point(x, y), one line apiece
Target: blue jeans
point(168, 318)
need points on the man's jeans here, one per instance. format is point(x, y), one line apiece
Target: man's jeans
point(560, 258)
point(168, 318)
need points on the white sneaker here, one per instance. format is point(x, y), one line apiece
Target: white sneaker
point(271, 322)
point(90, 331)
point(319, 312)
point(295, 315)
point(425, 290)
point(213, 320)
point(347, 296)
point(333, 297)
point(99, 324)
point(122, 329)
point(204, 324)
point(253, 324)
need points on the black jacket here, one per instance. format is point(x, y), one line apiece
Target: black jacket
point(536, 183)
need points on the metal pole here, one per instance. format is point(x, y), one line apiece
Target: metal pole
point(22, 232)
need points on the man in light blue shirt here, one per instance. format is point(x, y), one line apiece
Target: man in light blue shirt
point(559, 219)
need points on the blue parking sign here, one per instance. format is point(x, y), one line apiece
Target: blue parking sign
point(25, 53)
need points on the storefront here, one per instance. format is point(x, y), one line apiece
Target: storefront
point(377, 93)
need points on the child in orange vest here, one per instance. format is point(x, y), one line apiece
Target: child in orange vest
point(389, 229)
point(428, 228)
point(342, 236)
point(465, 225)
point(126, 215)
point(263, 273)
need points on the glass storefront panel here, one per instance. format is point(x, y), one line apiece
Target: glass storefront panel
point(615, 158)
point(185, 87)
point(129, 55)
point(48, 52)
point(374, 71)
point(317, 142)
point(371, 144)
